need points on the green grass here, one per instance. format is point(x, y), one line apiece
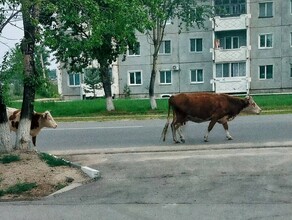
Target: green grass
point(274, 102)
point(135, 108)
point(9, 158)
point(53, 161)
point(19, 188)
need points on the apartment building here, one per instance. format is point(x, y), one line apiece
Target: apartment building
point(246, 48)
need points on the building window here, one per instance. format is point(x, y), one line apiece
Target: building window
point(266, 10)
point(266, 72)
point(229, 42)
point(291, 70)
point(197, 76)
point(165, 77)
point(196, 45)
point(165, 47)
point(230, 7)
point(290, 6)
point(265, 41)
point(74, 79)
point(134, 50)
point(291, 38)
point(230, 70)
point(135, 78)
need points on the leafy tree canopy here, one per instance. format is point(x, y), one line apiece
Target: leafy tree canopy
point(81, 31)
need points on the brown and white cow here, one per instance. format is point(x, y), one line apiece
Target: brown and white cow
point(39, 121)
point(201, 107)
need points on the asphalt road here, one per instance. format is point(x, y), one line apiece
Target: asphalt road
point(256, 129)
point(249, 177)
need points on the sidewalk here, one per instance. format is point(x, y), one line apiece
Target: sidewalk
point(178, 182)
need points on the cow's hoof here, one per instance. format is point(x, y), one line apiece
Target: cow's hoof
point(229, 138)
point(176, 142)
point(183, 141)
point(206, 140)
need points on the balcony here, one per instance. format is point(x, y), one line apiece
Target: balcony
point(231, 85)
point(231, 23)
point(231, 55)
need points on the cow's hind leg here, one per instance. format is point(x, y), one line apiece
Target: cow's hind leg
point(228, 136)
point(181, 136)
point(174, 128)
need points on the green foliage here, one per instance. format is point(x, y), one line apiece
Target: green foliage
point(20, 188)
point(53, 161)
point(9, 158)
point(127, 91)
point(84, 30)
point(13, 78)
point(92, 78)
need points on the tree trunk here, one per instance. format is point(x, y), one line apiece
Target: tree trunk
point(30, 13)
point(153, 103)
point(5, 141)
point(106, 81)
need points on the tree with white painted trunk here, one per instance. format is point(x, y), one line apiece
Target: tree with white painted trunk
point(30, 15)
point(5, 141)
point(8, 12)
point(85, 31)
point(160, 12)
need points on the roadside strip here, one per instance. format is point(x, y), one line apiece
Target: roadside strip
point(174, 148)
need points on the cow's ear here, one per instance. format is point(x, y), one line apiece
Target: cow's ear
point(45, 115)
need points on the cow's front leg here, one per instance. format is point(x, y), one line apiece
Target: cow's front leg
point(228, 136)
point(211, 125)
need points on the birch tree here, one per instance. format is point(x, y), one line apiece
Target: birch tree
point(188, 12)
point(30, 15)
point(8, 11)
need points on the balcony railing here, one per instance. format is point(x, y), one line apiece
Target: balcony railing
point(231, 85)
point(239, 54)
point(231, 23)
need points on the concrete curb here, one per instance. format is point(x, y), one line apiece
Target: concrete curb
point(174, 148)
point(92, 173)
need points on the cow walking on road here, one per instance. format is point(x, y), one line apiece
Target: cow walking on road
point(201, 107)
point(39, 121)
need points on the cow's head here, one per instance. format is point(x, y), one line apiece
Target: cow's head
point(48, 120)
point(252, 107)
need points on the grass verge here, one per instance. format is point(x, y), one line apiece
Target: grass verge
point(138, 108)
point(53, 161)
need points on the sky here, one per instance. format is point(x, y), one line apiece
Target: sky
point(11, 35)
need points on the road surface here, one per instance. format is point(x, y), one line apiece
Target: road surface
point(247, 130)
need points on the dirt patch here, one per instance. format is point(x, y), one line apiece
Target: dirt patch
point(31, 169)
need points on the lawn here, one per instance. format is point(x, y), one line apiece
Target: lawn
point(141, 107)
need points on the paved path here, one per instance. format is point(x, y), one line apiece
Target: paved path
point(216, 183)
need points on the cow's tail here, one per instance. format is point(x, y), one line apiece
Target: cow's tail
point(164, 131)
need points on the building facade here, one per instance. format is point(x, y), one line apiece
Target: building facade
point(71, 85)
point(246, 48)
